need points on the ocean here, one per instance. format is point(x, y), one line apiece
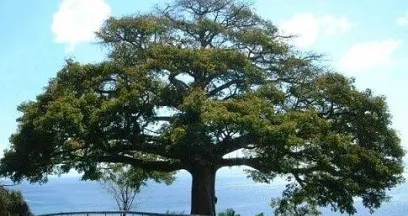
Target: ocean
point(233, 189)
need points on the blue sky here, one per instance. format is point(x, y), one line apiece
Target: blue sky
point(366, 40)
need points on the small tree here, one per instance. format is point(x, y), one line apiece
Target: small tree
point(125, 182)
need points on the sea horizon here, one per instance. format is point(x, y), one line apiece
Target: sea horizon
point(233, 190)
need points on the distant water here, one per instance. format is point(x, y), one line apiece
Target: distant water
point(233, 190)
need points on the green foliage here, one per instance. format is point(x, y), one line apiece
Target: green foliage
point(291, 204)
point(228, 212)
point(133, 177)
point(231, 212)
point(168, 212)
point(12, 203)
point(193, 81)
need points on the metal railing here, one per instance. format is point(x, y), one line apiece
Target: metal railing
point(113, 213)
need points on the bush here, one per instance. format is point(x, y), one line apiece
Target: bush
point(12, 203)
point(228, 212)
point(231, 212)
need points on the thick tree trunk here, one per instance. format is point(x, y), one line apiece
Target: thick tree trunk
point(203, 190)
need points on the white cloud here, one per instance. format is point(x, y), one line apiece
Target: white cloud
point(335, 26)
point(307, 27)
point(368, 55)
point(304, 26)
point(76, 21)
point(403, 20)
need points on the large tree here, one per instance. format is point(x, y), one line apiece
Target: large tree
point(195, 80)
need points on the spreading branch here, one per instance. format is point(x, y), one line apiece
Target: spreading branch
point(255, 163)
point(230, 145)
point(226, 85)
point(161, 166)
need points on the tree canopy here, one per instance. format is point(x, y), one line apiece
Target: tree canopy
point(195, 80)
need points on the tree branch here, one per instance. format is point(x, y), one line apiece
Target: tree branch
point(251, 162)
point(176, 82)
point(161, 166)
point(148, 147)
point(224, 86)
point(162, 118)
point(230, 145)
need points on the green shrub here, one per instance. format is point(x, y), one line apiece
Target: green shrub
point(12, 203)
point(228, 212)
point(231, 212)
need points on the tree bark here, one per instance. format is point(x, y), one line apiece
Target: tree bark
point(203, 189)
